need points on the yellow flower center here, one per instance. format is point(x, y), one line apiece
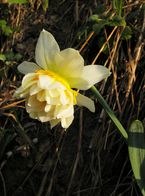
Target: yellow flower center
point(61, 80)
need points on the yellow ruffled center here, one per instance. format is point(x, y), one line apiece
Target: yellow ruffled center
point(58, 78)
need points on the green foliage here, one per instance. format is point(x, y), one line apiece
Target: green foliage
point(99, 23)
point(18, 1)
point(127, 33)
point(2, 57)
point(83, 32)
point(6, 30)
point(136, 147)
point(110, 113)
point(45, 5)
point(117, 5)
point(10, 56)
point(112, 18)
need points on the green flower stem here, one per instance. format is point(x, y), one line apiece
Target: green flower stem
point(109, 112)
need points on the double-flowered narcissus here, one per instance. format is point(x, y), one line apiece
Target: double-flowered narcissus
point(51, 86)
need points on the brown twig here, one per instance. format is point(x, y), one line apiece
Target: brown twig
point(114, 72)
point(133, 62)
point(87, 41)
point(103, 46)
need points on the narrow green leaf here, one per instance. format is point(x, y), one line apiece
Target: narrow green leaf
point(110, 112)
point(95, 18)
point(18, 1)
point(136, 148)
point(117, 5)
point(45, 5)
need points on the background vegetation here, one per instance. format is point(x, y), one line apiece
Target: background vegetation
point(90, 158)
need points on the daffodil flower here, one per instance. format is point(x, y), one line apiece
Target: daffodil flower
point(51, 86)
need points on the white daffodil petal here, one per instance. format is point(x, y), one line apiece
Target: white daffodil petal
point(52, 100)
point(41, 96)
point(32, 101)
point(78, 83)
point(47, 108)
point(28, 67)
point(43, 117)
point(33, 115)
point(46, 50)
point(45, 81)
point(28, 80)
point(66, 111)
point(19, 93)
point(34, 89)
point(53, 123)
point(54, 93)
point(85, 101)
point(69, 63)
point(66, 122)
point(93, 74)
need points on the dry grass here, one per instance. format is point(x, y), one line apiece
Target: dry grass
point(90, 158)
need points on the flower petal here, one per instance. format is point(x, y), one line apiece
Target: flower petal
point(69, 63)
point(45, 81)
point(41, 96)
point(34, 89)
point(43, 117)
point(28, 80)
point(66, 122)
point(34, 104)
point(91, 75)
point(65, 111)
point(78, 83)
point(54, 122)
point(28, 67)
point(46, 49)
point(85, 101)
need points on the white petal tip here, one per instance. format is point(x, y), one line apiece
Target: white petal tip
point(92, 109)
point(27, 67)
point(86, 102)
point(44, 31)
point(110, 73)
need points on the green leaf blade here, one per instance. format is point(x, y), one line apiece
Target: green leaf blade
point(136, 148)
point(17, 1)
point(118, 5)
point(110, 113)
